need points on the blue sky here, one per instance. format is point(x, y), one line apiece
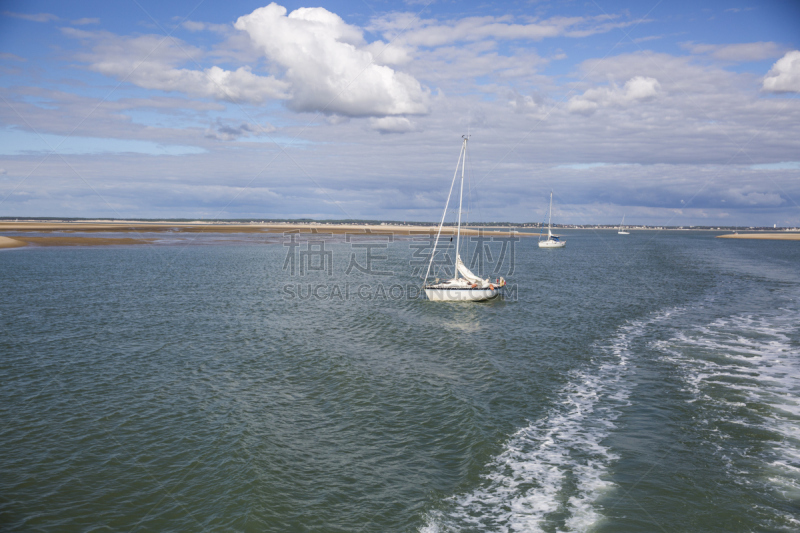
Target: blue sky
point(673, 113)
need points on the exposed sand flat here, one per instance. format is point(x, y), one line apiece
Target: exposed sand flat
point(765, 236)
point(6, 242)
point(137, 227)
point(79, 241)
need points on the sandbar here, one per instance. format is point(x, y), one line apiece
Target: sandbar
point(76, 241)
point(203, 227)
point(765, 236)
point(7, 242)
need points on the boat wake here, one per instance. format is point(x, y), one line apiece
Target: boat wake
point(551, 473)
point(744, 374)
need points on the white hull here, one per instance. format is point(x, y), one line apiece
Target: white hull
point(461, 295)
point(465, 286)
point(552, 241)
point(622, 227)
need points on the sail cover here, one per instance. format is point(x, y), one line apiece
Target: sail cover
point(465, 272)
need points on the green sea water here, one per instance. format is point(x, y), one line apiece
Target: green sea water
point(648, 382)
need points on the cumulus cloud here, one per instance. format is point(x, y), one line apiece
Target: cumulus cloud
point(784, 77)
point(523, 103)
point(392, 125)
point(150, 61)
point(328, 65)
point(638, 88)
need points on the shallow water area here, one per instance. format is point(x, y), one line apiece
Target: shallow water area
point(276, 383)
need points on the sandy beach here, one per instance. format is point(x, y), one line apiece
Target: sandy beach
point(766, 236)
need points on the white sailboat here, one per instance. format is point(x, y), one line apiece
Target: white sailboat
point(464, 286)
point(552, 241)
point(622, 227)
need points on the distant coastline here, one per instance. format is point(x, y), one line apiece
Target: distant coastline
point(126, 227)
point(374, 225)
point(106, 226)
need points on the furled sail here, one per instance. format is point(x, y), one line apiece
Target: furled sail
point(465, 272)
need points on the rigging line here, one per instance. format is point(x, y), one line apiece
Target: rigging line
point(460, 202)
point(449, 194)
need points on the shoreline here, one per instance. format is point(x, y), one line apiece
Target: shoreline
point(312, 228)
point(192, 227)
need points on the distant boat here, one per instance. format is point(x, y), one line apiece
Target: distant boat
point(552, 241)
point(622, 227)
point(464, 286)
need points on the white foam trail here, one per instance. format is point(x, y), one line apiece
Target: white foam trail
point(558, 463)
point(752, 358)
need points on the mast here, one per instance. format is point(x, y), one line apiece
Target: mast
point(460, 199)
point(439, 232)
point(550, 216)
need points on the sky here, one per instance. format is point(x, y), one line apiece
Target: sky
point(667, 112)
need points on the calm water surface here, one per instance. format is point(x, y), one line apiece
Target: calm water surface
point(648, 382)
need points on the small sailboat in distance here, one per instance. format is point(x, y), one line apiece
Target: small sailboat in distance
point(552, 241)
point(464, 286)
point(622, 227)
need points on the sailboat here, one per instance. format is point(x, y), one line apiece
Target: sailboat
point(622, 227)
point(552, 241)
point(465, 286)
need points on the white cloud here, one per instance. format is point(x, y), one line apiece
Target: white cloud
point(85, 21)
point(783, 165)
point(33, 17)
point(388, 54)
point(784, 77)
point(636, 89)
point(737, 53)
point(406, 28)
point(329, 66)
point(748, 197)
point(392, 125)
point(194, 26)
point(12, 57)
point(149, 61)
point(523, 103)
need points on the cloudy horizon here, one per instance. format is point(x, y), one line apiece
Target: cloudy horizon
point(679, 114)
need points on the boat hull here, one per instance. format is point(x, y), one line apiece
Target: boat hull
point(435, 294)
point(552, 244)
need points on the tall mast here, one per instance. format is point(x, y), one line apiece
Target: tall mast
point(460, 199)
point(439, 233)
point(550, 216)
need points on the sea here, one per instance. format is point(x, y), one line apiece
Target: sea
point(301, 383)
